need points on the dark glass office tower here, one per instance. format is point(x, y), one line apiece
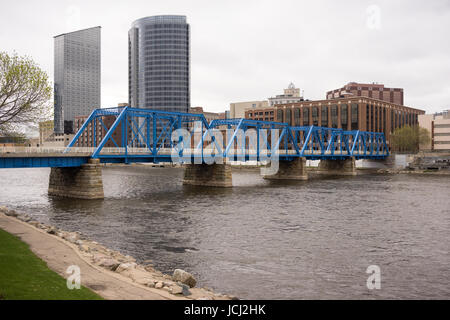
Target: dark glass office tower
point(158, 55)
point(76, 76)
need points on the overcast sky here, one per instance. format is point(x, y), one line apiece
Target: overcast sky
point(251, 50)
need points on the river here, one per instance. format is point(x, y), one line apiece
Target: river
point(260, 239)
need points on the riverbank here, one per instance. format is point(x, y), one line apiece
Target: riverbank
point(108, 273)
point(416, 171)
point(25, 276)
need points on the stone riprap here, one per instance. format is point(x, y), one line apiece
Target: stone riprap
point(181, 283)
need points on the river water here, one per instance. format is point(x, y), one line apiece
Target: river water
point(260, 239)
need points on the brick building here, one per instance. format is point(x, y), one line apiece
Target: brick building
point(375, 91)
point(87, 139)
point(354, 113)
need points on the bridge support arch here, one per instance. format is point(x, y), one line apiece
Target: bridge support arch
point(345, 167)
point(290, 170)
point(213, 175)
point(83, 182)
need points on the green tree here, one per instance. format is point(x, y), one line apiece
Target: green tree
point(408, 138)
point(25, 92)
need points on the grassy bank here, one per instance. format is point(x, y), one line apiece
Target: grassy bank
point(24, 276)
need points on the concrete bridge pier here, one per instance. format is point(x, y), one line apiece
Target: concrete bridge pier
point(209, 175)
point(83, 182)
point(345, 167)
point(290, 170)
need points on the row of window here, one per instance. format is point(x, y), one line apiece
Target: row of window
point(163, 53)
point(178, 35)
point(183, 63)
point(151, 99)
point(166, 47)
point(375, 120)
point(165, 26)
point(174, 80)
point(156, 94)
point(165, 41)
point(183, 74)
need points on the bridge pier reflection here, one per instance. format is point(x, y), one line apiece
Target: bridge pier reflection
point(84, 182)
point(290, 170)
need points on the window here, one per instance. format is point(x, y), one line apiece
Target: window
point(315, 116)
point(367, 117)
point(354, 113)
point(306, 116)
point(324, 121)
point(280, 115)
point(288, 116)
point(344, 116)
point(334, 116)
point(376, 119)
point(392, 120)
point(297, 117)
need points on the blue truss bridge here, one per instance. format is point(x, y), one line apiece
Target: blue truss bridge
point(142, 135)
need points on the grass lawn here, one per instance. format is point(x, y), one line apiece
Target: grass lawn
point(24, 276)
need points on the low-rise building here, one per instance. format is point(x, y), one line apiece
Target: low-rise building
point(438, 125)
point(238, 109)
point(291, 95)
point(355, 113)
point(373, 90)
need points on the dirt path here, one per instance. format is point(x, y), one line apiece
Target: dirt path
point(59, 256)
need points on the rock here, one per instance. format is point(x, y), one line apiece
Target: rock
point(11, 213)
point(84, 247)
point(3, 209)
point(52, 230)
point(185, 288)
point(143, 280)
point(184, 277)
point(71, 237)
point(176, 289)
point(151, 284)
point(126, 266)
point(149, 268)
point(34, 223)
point(79, 242)
point(109, 263)
point(130, 258)
point(24, 218)
point(159, 285)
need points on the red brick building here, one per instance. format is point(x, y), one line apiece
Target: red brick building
point(87, 139)
point(354, 113)
point(375, 91)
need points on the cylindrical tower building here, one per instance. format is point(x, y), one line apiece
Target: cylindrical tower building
point(159, 71)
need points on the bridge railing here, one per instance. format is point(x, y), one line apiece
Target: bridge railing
point(44, 150)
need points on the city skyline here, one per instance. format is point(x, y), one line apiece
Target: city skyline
point(250, 51)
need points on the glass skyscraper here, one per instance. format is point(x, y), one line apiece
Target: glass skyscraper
point(76, 76)
point(158, 56)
